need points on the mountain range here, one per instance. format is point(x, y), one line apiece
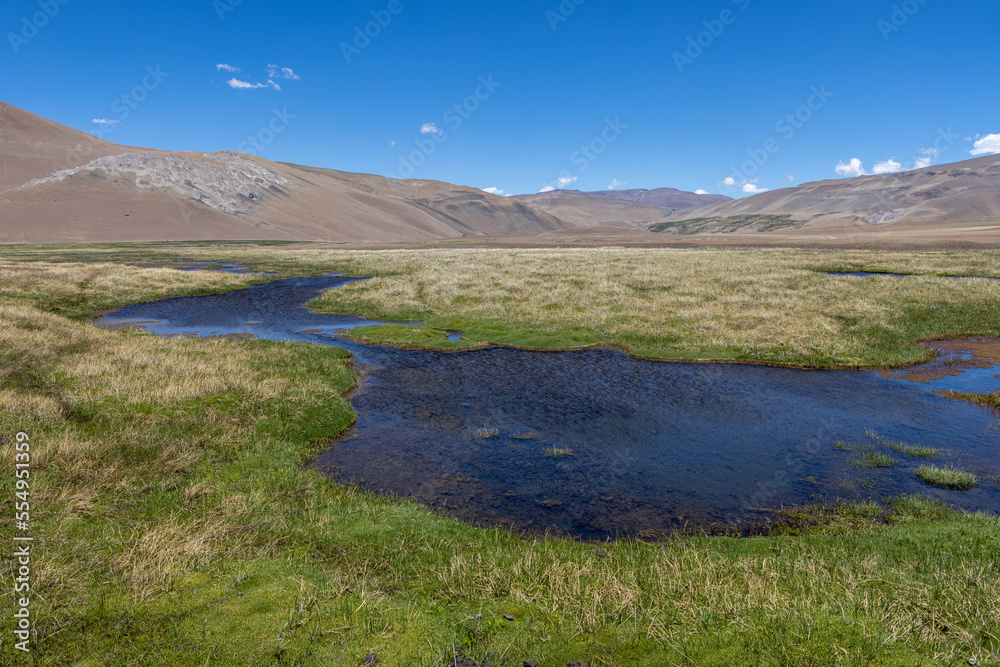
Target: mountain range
point(58, 184)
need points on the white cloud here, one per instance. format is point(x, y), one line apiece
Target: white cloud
point(246, 85)
point(749, 187)
point(928, 155)
point(615, 184)
point(106, 121)
point(566, 180)
point(493, 191)
point(392, 143)
point(429, 128)
point(276, 72)
point(988, 145)
point(701, 192)
point(888, 167)
point(226, 67)
point(547, 188)
point(791, 179)
point(851, 169)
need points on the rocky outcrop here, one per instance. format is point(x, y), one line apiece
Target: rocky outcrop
point(223, 181)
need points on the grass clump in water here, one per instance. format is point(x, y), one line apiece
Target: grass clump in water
point(487, 433)
point(914, 451)
point(867, 457)
point(556, 453)
point(872, 459)
point(947, 478)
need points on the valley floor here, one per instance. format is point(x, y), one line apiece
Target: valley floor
point(174, 522)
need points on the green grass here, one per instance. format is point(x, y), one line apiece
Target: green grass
point(867, 457)
point(946, 478)
point(915, 451)
point(759, 223)
point(871, 459)
point(177, 525)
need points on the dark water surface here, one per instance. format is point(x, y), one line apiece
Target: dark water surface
point(652, 446)
point(868, 274)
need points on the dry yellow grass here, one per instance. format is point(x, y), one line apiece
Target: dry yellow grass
point(768, 304)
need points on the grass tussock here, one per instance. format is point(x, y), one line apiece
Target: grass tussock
point(176, 524)
point(557, 453)
point(870, 459)
point(946, 477)
point(867, 457)
point(913, 451)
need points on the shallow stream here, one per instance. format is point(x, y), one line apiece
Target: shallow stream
point(596, 444)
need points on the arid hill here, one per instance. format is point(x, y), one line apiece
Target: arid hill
point(962, 194)
point(630, 208)
point(662, 197)
point(60, 184)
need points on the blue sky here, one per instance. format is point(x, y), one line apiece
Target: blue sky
point(522, 96)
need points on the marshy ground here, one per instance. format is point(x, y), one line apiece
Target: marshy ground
point(176, 523)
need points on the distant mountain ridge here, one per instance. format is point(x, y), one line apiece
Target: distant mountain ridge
point(629, 208)
point(967, 191)
point(662, 197)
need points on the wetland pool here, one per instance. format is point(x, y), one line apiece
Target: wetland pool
point(596, 444)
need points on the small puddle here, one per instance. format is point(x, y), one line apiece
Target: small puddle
point(868, 274)
point(596, 444)
point(968, 365)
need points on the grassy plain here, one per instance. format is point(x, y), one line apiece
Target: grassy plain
point(755, 306)
point(176, 524)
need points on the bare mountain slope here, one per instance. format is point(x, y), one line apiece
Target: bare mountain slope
point(662, 197)
point(631, 208)
point(32, 146)
point(963, 192)
point(579, 210)
point(54, 190)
